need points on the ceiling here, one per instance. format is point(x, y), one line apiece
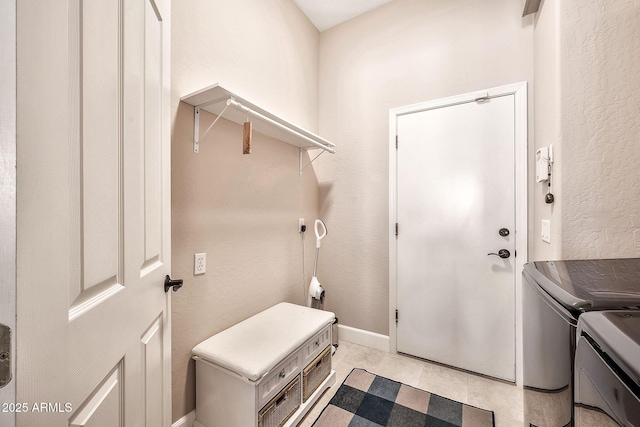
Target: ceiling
point(328, 13)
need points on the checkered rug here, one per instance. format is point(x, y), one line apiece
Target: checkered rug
point(368, 400)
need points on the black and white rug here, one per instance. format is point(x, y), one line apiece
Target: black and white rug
point(368, 400)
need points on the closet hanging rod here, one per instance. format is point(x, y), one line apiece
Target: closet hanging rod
point(249, 111)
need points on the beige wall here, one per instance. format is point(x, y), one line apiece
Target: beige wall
point(241, 210)
point(267, 50)
point(405, 52)
point(546, 96)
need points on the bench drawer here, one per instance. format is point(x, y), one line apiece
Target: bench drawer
point(312, 348)
point(278, 377)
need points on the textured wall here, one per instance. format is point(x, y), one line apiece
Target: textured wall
point(600, 77)
point(241, 210)
point(405, 52)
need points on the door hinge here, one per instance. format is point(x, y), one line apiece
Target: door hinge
point(396, 229)
point(396, 316)
point(5, 355)
point(396, 142)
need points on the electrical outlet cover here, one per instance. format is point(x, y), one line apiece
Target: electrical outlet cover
point(200, 263)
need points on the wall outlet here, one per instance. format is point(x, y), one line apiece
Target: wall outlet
point(301, 227)
point(200, 264)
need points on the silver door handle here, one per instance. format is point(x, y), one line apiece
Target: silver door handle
point(502, 253)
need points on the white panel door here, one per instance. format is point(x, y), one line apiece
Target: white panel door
point(455, 191)
point(94, 225)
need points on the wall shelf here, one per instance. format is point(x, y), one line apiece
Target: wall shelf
point(224, 103)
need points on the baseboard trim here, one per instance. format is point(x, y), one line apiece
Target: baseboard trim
point(362, 337)
point(186, 421)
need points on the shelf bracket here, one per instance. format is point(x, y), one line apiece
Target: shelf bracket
point(311, 161)
point(196, 126)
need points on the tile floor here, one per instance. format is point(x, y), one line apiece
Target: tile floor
point(504, 399)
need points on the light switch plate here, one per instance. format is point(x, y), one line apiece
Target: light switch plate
point(546, 231)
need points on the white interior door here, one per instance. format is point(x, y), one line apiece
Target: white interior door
point(93, 213)
point(455, 191)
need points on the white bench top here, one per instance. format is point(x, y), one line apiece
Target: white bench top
point(254, 346)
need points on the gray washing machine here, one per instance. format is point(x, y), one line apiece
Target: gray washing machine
point(607, 369)
point(555, 294)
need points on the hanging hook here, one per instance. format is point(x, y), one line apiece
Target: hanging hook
point(548, 198)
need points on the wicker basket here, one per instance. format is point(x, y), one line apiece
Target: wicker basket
point(316, 372)
point(282, 406)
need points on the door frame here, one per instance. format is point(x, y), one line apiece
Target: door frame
point(519, 90)
point(8, 192)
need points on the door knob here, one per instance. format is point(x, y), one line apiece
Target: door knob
point(170, 283)
point(502, 253)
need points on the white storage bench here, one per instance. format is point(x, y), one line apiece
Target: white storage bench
point(266, 371)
